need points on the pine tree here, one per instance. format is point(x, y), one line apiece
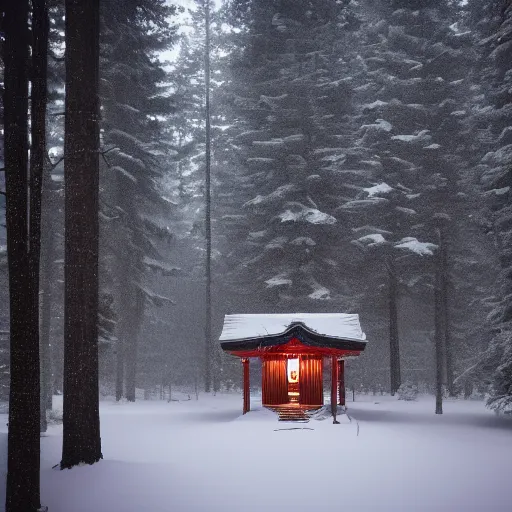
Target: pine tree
point(291, 99)
point(38, 166)
point(22, 490)
point(81, 422)
point(132, 202)
point(188, 127)
point(495, 31)
point(416, 64)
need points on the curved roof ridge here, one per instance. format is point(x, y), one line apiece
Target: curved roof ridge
point(340, 326)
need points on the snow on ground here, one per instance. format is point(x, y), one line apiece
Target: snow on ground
point(197, 456)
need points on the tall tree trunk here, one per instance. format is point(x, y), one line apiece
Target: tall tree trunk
point(81, 422)
point(394, 346)
point(208, 227)
point(445, 302)
point(438, 332)
point(47, 277)
point(38, 158)
point(120, 367)
point(131, 352)
point(22, 491)
point(131, 371)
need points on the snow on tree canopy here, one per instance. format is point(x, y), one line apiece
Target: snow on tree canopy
point(278, 194)
point(303, 240)
point(335, 325)
point(380, 124)
point(421, 137)
point(255, 235)
point(164, 268)
point(414, 245)
point(363, 203)
point(498, 191)
point(375, 104)
point(279, 280)
point(373, 239)
point(300, 213)
point(381, 188)
point(277, 243)
point(319, 292)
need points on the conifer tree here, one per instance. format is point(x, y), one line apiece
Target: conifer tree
point(23, 195)
point(81, 421)
point(493, 123)
point(132, 203)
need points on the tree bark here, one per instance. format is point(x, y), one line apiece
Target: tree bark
point(208, 227)
point(47, 277)
point(38, 158)
point(131, 352)
point(119, 368)
point(22, 489)
point(81, 423)
point(394, 345)
point(447, 341)
point(438, 333)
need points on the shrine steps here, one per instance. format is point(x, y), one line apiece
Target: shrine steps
point(292, 412)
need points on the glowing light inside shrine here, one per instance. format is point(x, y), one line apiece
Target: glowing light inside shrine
point(293, 370)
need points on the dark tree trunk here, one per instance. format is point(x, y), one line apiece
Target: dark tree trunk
point(131, 373)
point(81, 423)
point(47, 277)
point(131, 310)
point(119, 368)
point(394, 346)
point(208, 228)
point(447, 341)
point(22, 490)
point(438, 333)
point(130, 301)
point(38, 158)
point(123, 292)
point(131, 352)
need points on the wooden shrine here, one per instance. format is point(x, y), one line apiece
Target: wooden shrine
point(292, 348)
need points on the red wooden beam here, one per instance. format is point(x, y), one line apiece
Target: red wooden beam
point(334, 385)
point(247, 396)
point(341, 381)
point(294, 347)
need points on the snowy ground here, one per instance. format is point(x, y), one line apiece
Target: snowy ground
point(199, 456)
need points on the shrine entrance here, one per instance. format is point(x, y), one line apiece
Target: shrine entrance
point(293, 380)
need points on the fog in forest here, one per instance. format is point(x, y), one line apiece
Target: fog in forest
point(165, 165)
point(356, 150)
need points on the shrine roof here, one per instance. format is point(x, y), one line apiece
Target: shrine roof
point(259, 331)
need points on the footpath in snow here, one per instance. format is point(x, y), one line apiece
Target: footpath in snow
point(204, 456)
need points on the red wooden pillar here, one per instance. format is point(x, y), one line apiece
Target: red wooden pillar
point(247, 396)
point(341, 381)
point(334, 385)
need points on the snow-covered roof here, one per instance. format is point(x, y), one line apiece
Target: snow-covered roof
point(251, 326)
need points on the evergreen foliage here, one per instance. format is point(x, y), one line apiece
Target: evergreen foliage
point(134, 99)
point(493, 121)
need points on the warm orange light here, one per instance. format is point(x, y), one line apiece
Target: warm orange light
point(293, 370)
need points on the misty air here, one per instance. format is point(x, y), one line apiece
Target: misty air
point(255, 255)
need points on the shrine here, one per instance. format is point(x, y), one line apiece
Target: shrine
point(292, 348)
